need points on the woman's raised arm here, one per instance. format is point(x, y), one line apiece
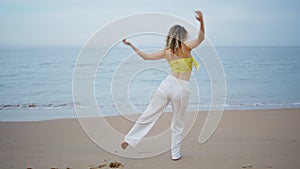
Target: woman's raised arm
point(194, 43)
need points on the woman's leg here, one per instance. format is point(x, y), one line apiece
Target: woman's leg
point(147, 120)
point(179, 106)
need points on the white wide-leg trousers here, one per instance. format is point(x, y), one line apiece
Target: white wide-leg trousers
point(171, 90)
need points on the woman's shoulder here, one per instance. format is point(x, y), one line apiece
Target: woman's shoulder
point(168, 53)
point(187, 48)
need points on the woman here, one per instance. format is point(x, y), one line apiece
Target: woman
point(174, 89)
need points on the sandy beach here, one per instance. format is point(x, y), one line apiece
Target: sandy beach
point(257, 139)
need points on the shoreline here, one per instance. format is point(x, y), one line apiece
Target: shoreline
point(71, 114)
point(259, 138)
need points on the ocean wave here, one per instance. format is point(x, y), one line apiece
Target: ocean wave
point(35, 106)
point(139, 105)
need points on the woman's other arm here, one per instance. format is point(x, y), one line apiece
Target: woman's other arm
point(153, 56)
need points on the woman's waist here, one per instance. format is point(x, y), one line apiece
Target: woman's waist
point(182, 76)
point(173, 81)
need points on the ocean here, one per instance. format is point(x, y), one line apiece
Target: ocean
point(36, 84)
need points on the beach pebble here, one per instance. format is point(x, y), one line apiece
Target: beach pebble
point(115, 165)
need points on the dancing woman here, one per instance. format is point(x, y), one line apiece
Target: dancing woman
point(175, 88)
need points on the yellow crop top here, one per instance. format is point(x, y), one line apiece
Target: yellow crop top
point(183, 64)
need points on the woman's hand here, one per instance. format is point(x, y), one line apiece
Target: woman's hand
point(126, 42)
point(199, 16)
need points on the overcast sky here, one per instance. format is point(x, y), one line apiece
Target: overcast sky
point(71, 22)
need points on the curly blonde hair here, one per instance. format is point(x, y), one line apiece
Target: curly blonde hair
point(176, 37)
